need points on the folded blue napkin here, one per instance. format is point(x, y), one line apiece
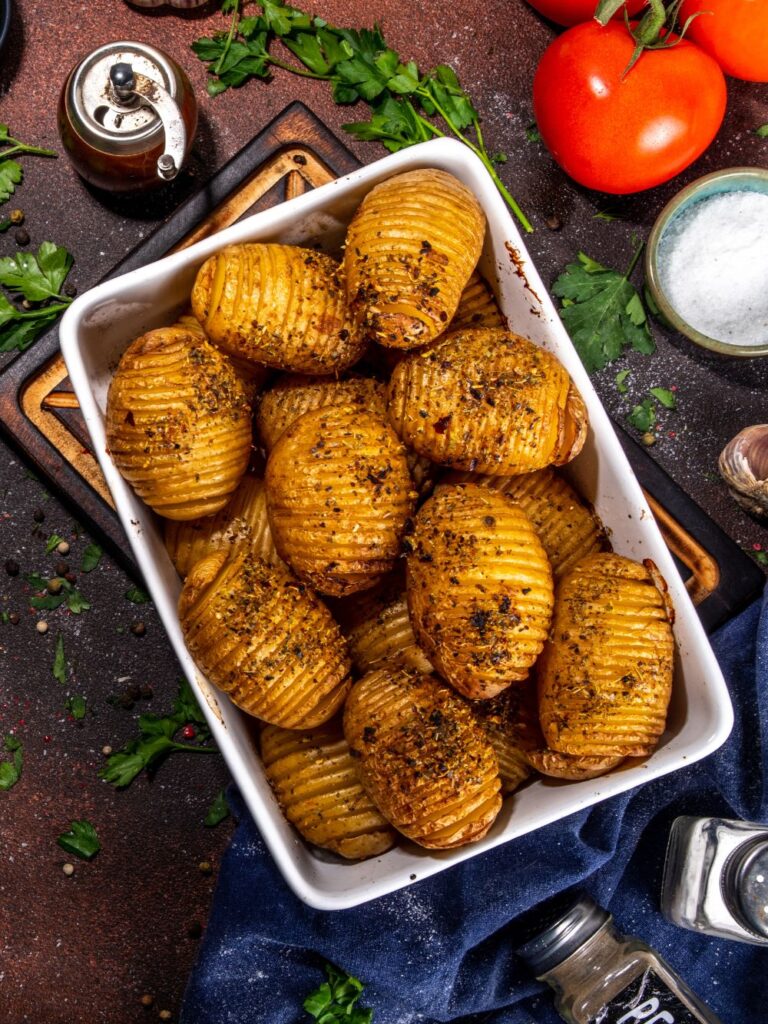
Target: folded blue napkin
point(441, 949)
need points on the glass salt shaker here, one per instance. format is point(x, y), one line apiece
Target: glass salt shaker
point(716, 878)
point(603, 977)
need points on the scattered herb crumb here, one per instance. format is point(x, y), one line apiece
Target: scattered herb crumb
point(218, 810)
point(605, 215)
point(137, 596)
point(643, 416)
point(60, 662)
point(761, 557)
point(621, 381)
point(77, 707)
point(10, 771)
point(762, 131)
point(91, 558)
point(81, 840)
point(53, 542)
point(334, 1001)
point(532, 132)
point(665, 396)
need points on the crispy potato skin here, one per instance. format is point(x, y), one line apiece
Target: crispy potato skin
point(605, 678)
point(253, 375)
point(567, 528)
point(411, 248)
point(489, 401)
point(571, 767)
point(279, 305)
point(511, 722)
point(263, 638)
point(316, 783)
point(383, 634)
point(178, 423)
point(479, 589)
point(423, 757)
point(477, 307)
point(339, 522)
point(243, 520)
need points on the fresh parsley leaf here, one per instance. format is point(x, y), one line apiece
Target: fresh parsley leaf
point(10, 771)
point(60, 662)
point(156, 740)
point(39, 279)
point(762, 131)
point(335, 1000)
point(760, 557)
point(76, 706)
point(643, 416)
point(10, 176)
point(621, 378)
point(47, 602)
point(76, 603)
point(137, 596)
point(666, 397)
point(532, 133)
point(602, 311)
point(81, 840)
point(53, 542)
point(91, 558)
point(218, 810)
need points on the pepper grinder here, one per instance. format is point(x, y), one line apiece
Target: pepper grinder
point(127, 117)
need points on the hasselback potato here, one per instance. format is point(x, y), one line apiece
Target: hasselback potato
point(572, 767)
point(605, 678)
point(265, 639)
point(315, 780)
point(410, 250)
point(243, 520)
point(253, 375)
point(423, 757)
point(477, 307)
point(178, 423)
point(567, 528)
point(339, 495)
point(511, 723)
point(382, 633)
point(489, 401)
point(279, 305)
point(479, 588)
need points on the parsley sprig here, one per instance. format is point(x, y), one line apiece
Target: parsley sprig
point(334, 1001)
point(157, 739)
point(10, 771)
point(11, 171)
point(38, 280)
point(407, 105)
point(81, 840)
point(66, 594)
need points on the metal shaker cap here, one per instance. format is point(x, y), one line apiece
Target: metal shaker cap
point(558, 928)
point(744, 883)
point(123, 98)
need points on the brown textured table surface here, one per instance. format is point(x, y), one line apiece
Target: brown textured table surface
point(85, 948)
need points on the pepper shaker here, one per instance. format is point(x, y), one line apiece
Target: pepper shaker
point(127, 117)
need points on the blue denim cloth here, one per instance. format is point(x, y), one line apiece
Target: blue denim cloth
point(440, 950)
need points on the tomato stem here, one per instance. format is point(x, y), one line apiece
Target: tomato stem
point(652, 31)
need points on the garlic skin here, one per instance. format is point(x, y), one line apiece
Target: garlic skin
point(743, 464)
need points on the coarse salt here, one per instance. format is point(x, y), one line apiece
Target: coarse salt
point(713, 267)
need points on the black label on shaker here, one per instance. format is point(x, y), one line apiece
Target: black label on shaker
point(646, 1000)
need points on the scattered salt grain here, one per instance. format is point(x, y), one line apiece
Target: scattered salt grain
point(713, 266)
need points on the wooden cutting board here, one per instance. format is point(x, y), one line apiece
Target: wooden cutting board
point(296, 152)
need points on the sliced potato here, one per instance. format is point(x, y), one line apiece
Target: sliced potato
point(572, 767)
point(243, 520)
point(316, 783)
point(605, 678)
point(479, 588)
point(511, 723)
point(263, 638)
point(382, 633)
point(178, 423)
point(253, 375)
point(477, 307)
point(339, 495)
point(423, 758)
point(567, 528)
point(489, 401)
point(410, 250)
point(279, 305)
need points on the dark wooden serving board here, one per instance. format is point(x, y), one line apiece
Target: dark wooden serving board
point(40, 414)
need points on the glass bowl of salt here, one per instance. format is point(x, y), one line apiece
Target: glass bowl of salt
point(706, 262)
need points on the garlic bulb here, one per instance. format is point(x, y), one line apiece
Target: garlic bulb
point(743, 465)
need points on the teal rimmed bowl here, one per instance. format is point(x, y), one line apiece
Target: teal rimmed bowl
point(732, 179)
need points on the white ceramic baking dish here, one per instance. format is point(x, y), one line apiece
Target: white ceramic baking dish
point(101, 323)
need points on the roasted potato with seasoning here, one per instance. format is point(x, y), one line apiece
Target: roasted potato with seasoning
point(178, 423)
point(423, 758)
point(605, 677)
point(294, 394)
point(488, 401)
point(567, 528)
point(243, 520)
point(316, 783)
point(253, 375)
point(339, 496)
point(571, 767)
point(511, 722)
point(479, 589)
point(279, 305)
point(382, 633)
point(411, 248)
point(265, 639)
point(477, 307)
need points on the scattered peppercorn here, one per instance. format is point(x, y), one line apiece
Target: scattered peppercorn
point(54, 585)
point(205, 867)
point(16, 217)
point(70, 290)
point(14, 619)
point(62, 568)
point(195, 930)
point(42, 626)
point(12, 567)
point(138, 628)
point(553, 222)
point(189, 732)
point(147, 999)
point(165, 1015)
point(21, 236)
point(38, 515)
point(26, 304)
point(147, 693)
point(648, 439)
point(70, 577)
point(133, 692)
point(68, 869)
point(106, 750)
point(63, 548)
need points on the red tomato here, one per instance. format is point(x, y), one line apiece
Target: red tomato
point(735, 33)
point(624, 134)
point(573, 12)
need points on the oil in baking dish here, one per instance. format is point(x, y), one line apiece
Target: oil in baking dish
point(603, 977)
